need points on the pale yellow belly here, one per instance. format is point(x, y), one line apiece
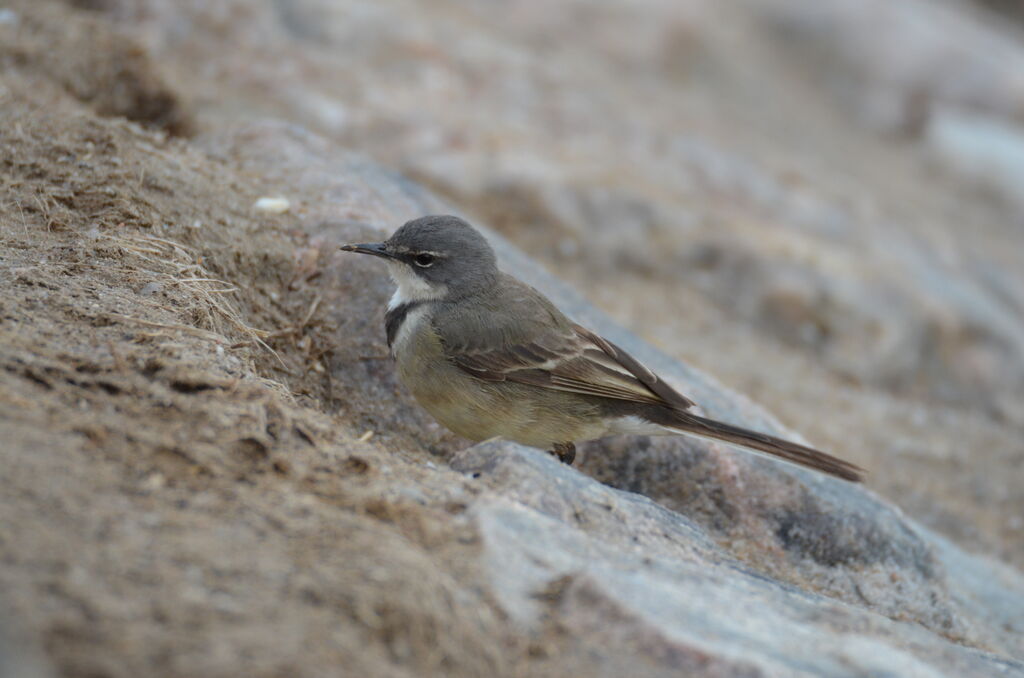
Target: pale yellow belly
point(479, 410)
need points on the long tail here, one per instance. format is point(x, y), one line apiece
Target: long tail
point(692, 424)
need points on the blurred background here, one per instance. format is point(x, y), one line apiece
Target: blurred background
point(822, 204)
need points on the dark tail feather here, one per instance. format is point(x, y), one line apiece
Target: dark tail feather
point(777, 447)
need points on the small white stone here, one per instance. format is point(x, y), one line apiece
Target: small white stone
point(154, 481)
point(274, 205)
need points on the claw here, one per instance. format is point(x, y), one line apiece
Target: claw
point(566, 452)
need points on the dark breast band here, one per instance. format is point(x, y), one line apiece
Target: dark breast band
point(394, 318)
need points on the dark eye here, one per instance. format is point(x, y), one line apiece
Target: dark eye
point(423, 259)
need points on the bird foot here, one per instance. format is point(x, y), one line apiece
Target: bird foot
point(566, 452)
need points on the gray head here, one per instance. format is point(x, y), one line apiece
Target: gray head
point(435, 257)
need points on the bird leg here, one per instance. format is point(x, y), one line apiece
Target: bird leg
point(566, 452)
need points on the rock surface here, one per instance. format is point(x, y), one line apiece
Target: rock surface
point(211, 470)
point(563, 550)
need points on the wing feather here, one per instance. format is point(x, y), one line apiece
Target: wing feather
point(575, 360)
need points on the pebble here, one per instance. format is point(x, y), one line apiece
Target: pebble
point(273, 205)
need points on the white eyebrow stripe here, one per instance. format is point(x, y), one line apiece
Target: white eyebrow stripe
point(403, 249)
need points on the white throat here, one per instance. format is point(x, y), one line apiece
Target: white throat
point(411, 287)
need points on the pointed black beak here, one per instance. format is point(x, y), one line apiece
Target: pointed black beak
point(377, 249)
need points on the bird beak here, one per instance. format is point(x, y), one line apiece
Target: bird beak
point(377, 249)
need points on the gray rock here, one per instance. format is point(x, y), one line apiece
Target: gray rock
point(20, 658)
point(611, 566)
point(985, 149)
point(890, 62)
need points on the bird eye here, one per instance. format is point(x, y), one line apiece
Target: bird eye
point(423, 260)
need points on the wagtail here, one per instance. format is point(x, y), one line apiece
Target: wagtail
point(489, 356)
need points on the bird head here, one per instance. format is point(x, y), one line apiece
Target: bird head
point(433, 258)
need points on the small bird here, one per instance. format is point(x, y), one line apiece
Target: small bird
point(491, 357)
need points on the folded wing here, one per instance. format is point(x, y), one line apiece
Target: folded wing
point(575, 360)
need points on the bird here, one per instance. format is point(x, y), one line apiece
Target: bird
point(489, 356)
